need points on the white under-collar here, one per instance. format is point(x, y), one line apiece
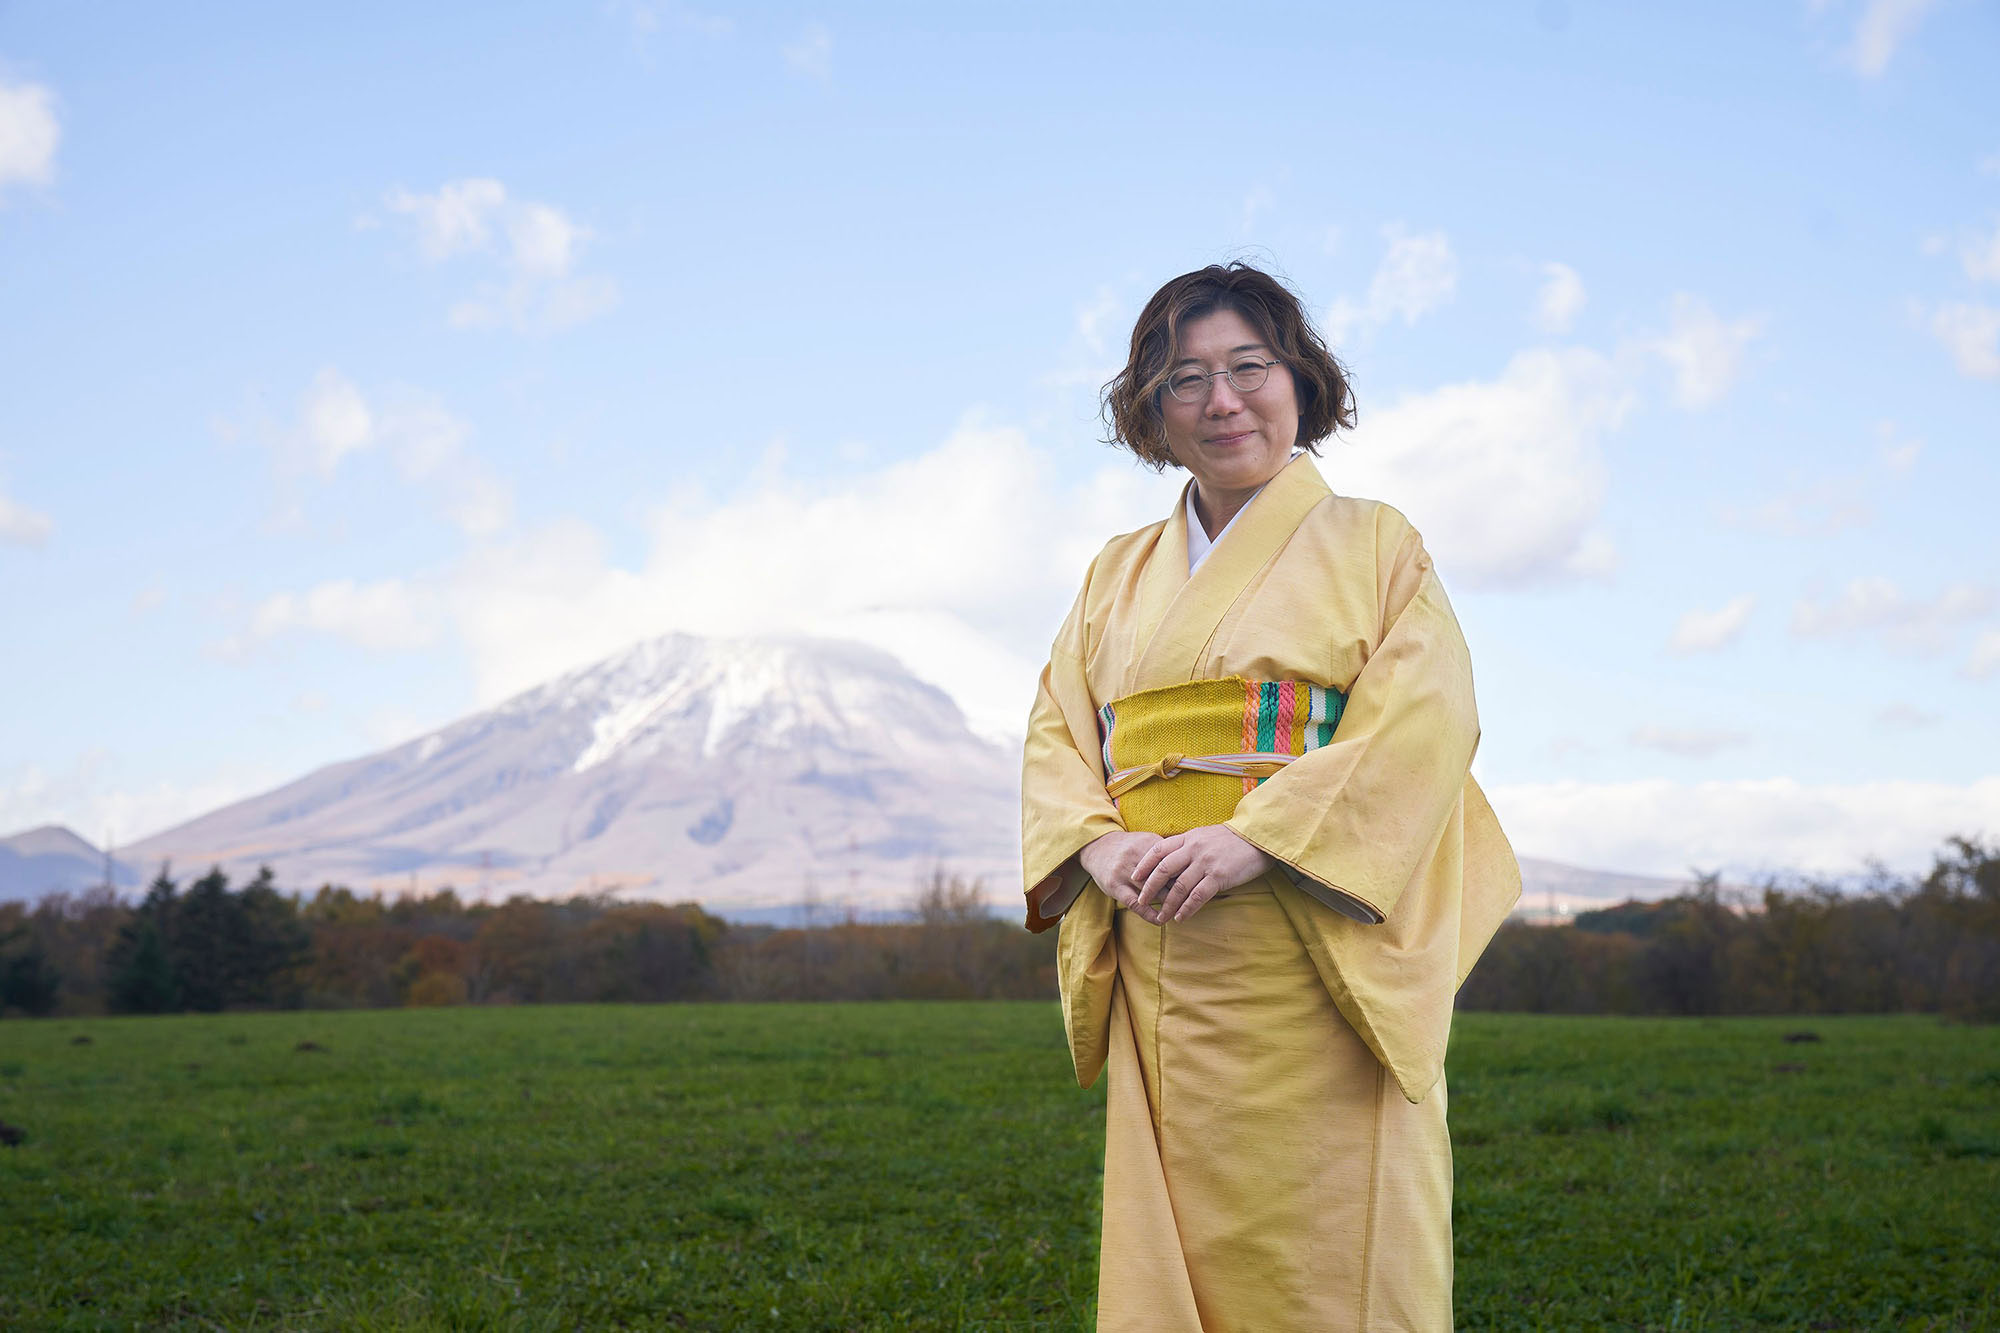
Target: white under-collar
point(1199, 542)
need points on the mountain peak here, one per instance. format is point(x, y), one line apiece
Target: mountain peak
point(732, 770)
point(745, 692)
point(50, 840)
point(54, 858)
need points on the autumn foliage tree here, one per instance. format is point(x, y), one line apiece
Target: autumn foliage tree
point(1929, 944)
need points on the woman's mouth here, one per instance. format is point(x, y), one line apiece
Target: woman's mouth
point(1225, 441)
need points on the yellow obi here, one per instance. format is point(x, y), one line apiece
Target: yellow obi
point(1182, 756)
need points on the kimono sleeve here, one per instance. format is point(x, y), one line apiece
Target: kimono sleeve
point(1363, 814)
point(1063, 804)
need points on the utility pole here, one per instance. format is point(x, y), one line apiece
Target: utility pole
point(809, 910)
point(853, 873)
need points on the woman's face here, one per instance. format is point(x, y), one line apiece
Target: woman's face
point(1232, 442)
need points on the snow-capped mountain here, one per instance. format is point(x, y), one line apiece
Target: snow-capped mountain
point(751, 775)
point(745, 773)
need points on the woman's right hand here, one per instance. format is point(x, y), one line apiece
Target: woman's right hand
point(1110, 860)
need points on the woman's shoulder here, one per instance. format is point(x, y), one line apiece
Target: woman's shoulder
point(1352, 520)
point(1123, 553)
point(1138, 542)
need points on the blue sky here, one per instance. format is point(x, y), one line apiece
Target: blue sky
point(360, 367)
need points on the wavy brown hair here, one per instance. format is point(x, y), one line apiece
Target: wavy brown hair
point(1131, 401)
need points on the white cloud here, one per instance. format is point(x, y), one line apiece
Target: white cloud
point(1097, 320)
point(811, 52)
point(29, 134)
point(953, 560)
point(1506, 477)
point(427, 444)
point(1981, 256)
point(1259, 201)
point(1833, 504)
point(528, 307)
point(1972, 335)
point(1417, 275)
point(1899, 454)
point(1003, 547)
point(335, 420)
point(1096, 351)
point(94, 803)
point(386, 616)
point(543, 242)
point(1818, 510)
point(1705, 631)
point(1907, 717)
point(647, 19)
point(1882, 27)
point(22, 526)
point(1560, 299)
point(1876, 606)
point(1704, 350)
point(392, 726)
point(1688, 742)
point(150, 597)
point(1664, 828)
point(1985, 659)
point(536, 246)
point(459, 219)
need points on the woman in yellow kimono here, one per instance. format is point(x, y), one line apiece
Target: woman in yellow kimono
point(1246, 799)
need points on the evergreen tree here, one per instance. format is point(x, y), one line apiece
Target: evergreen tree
point(275, 942)
point(28, 981)
point(208, 943)
point(142, 978)
point(140, 969)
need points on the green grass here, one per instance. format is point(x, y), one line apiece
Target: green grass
point(919, 1166)
point(1708, 1174)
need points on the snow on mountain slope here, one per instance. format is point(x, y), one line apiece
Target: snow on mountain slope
point(724, 770)
point(747, 774)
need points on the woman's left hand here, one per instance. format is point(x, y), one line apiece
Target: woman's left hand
point(1184, 871)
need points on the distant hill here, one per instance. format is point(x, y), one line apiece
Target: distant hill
point(1552, 891)
point(51, 859)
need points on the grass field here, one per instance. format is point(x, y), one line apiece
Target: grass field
point(931, 1166)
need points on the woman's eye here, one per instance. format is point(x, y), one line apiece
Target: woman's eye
point(1183, 383)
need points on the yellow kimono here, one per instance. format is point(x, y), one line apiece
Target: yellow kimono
point(1276, 1154)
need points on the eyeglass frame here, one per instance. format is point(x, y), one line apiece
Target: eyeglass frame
point(1228, 373)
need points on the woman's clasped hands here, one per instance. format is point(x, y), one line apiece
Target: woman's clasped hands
point(1171, 878)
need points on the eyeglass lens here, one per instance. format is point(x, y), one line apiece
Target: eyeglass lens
point(1193, 385)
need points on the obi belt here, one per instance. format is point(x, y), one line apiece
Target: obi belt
point(1183, 755)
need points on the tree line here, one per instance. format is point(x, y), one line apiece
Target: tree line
point(205, 946)
point(1928, 945)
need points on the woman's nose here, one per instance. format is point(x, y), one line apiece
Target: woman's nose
point(1222, 397)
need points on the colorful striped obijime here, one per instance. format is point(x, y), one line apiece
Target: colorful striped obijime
point(1209, 717)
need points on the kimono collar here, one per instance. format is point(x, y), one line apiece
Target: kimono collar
point(1199, 544)
point(1178, 610)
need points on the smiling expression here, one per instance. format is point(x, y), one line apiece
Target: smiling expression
point(1231, 442)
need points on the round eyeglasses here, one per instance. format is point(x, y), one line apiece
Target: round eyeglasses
point(1246, 376)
